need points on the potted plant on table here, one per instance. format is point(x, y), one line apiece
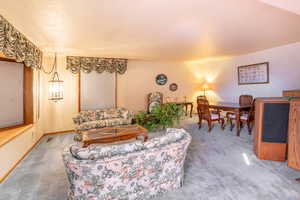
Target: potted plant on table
point(161, 116)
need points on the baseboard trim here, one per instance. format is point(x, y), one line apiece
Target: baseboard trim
point(16, 164)
point(2, 178)
point(59, 132)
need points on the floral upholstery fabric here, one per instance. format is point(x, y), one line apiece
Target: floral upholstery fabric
point(128, 171)
point(90, 119)
point(103, 123)
point(214, 116)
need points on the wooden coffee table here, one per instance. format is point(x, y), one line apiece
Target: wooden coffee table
point(113, 134)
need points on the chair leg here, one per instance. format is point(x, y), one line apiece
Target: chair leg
point(209, 126)
point(249, 127)
point(200, 124)
point(231, 125)
point(222, 124)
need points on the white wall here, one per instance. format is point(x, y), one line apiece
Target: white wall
point(284, 66)
point(58, 116)
point(139, 81)
point(15, 149)
point(11, 93)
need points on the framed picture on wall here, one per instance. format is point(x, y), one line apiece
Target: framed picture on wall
point(173, 87)
point(254, 74)
point(161, 79)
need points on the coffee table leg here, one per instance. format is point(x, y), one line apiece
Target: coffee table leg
point(145, 137)
point(85, 144)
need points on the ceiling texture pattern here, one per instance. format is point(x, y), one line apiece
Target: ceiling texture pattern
point(289, 5)
point(156, 29)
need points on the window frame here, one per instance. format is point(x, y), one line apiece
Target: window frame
point(28, 76)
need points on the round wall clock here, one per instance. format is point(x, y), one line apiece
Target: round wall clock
point(161, 79)
point(173, 87)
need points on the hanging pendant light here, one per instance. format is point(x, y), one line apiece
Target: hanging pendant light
point(55, 84)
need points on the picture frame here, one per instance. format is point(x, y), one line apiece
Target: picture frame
point(173, 87)
point(253, 74)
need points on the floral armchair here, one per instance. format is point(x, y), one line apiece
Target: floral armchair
point(154, 99)
point(90, 119)
point(131, 171)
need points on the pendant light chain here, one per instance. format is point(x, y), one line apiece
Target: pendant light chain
point(54, 67)
point(55, 74)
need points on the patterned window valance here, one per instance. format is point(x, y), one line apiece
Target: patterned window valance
point(88, 64)
point(14, 44)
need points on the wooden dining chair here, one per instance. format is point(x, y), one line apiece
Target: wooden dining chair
point(245, 100)
point(246, 117)
point(154, 99)
point(201, 97)
point(212, 110)
point(205, 114)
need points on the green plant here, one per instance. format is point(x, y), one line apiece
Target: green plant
point(161, 116)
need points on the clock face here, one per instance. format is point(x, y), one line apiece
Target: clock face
point(161, 79)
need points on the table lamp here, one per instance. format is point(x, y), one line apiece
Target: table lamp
point(205, 87)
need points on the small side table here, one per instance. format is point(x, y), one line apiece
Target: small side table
point(186, 105)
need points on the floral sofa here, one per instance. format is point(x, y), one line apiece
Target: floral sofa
point(90, 119)
point(132, 170)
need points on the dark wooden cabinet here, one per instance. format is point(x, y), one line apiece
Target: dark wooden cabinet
point(294, 135)
point(271, 128)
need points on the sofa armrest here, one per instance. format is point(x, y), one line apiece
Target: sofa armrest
point(77, 119)
point(125, 113)
point(131, 115)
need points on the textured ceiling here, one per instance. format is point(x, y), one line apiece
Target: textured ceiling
point(290, 5)
point(153, 29)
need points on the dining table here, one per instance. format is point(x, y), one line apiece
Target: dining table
point(231, 107)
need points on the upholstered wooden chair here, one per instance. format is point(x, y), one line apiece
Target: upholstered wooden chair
point(205, 114)
point(201, 97)
point(246, 117)
point(212, 110)
point(245, 100)
point(154, 99)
